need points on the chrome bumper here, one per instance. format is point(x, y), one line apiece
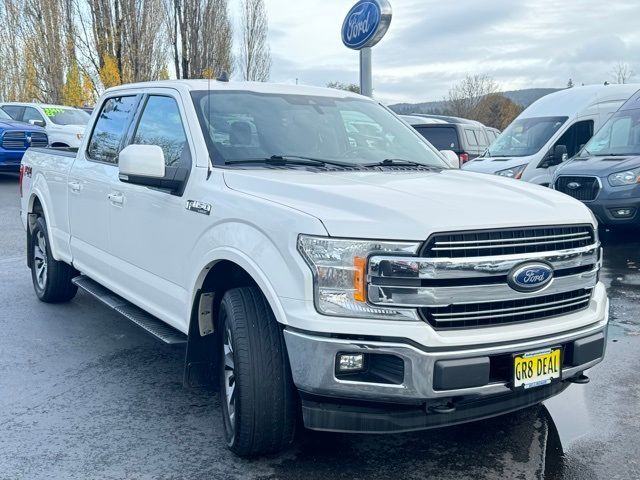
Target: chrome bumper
point(313, 359)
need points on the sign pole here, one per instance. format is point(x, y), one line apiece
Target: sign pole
point(363, 27)
point(366, 83)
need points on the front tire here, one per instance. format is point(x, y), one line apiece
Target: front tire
point(51, 278)
point(256, 390)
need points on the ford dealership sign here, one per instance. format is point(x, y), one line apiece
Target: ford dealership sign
point(366, 23)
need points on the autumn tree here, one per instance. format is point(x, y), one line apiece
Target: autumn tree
point(88, 90)
point(123, 40)
point(164, 73)
point(496, 110)
point(72, 91)
point(464, 97)
point(201, 37)
point(109, 72)
point(255, 55)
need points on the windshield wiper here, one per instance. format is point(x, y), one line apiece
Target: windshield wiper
point(391, 162)
point(291, 160)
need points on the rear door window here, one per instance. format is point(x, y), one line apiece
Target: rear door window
point(443, 138)
point(14, 111)
point(31, 113)
point(481, 137)
point(110, 128)
point(471, 137)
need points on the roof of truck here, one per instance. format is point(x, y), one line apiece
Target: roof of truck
point(571, 101)
point(257, 87)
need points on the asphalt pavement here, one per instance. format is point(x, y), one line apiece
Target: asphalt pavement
point(85, 394)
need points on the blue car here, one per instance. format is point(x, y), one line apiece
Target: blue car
point(15, 138)
point(605, 174)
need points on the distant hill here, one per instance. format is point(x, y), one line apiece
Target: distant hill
point(523, 97)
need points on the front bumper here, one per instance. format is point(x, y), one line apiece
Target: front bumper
point(388, 405)
point(605, 210)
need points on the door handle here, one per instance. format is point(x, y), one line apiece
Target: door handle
point(116, 198)
point(75, 186)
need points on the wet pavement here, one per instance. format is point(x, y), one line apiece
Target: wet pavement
point(84, 394)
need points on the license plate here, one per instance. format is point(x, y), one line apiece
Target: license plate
point(534, 369)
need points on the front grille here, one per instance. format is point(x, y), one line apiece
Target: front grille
point(507, 241)
point(470, 315)
point(580, 188)
point(13, 140)
point(39, 139)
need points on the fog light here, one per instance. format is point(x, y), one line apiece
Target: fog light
point(350, 362)
point(623, 212)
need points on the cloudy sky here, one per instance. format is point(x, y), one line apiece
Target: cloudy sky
point(432, 44)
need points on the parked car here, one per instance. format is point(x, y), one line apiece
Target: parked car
point(467, 138)
point(549, 131)
point(365, 284)
point(605, 175)
point(451, 157)
point(15, 138)
point(64, 125)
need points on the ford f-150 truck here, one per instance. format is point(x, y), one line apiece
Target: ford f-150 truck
point(354, 282)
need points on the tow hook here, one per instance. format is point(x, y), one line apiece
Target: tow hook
point(581, 379)
point(448, 407)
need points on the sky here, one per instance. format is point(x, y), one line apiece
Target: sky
point(433, 44)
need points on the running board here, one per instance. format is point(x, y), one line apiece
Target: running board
point(151, 324)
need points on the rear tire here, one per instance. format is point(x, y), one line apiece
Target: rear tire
point(256, 390)
point(51, 278)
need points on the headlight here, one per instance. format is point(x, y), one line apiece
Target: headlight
point(339, 269)
point(515, 172)
point(628, 177)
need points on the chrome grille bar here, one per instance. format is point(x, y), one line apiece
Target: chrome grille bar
point(452, 317)
point(508, 245)
point(383, 266)
point(465, 242)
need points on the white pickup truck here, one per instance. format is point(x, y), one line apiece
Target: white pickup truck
point(318, 269)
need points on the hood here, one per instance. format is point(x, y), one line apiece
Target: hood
point(599, 166)
point(22, 126)
point(494, 164)
point(409, 205)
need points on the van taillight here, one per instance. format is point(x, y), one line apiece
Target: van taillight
point(464, 157)
point(20, 180)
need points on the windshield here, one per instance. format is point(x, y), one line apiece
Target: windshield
point(525, 136)
point(66, 116)
point(619, 136)
point(240, 126)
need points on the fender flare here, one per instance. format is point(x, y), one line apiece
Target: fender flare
point(241, 259)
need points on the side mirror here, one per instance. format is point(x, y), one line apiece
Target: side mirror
point(38, 123)
point(144, 165)
point(141, 161)
point(451, 157)
point(560, 154)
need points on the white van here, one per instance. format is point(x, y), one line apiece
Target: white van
point(551, 130)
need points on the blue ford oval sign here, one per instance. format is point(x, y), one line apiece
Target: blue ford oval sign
point(530, 277)
point(366, 23)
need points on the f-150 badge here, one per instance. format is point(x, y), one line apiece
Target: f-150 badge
point(198, 207)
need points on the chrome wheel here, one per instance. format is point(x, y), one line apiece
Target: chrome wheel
point(229, 379)
point(40, 260)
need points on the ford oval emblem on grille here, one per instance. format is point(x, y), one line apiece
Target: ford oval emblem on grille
point(573, 185)
point(529, 277)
